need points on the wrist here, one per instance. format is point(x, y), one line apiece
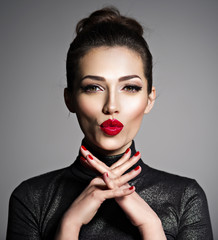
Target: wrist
point(152, 230)
point(68, 230)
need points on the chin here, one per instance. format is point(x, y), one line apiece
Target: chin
point(114, 145)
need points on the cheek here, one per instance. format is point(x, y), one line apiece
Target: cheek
point(87, 107)
point(134, 109)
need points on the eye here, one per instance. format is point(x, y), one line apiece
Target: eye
point(91, 88)
point(132, 88)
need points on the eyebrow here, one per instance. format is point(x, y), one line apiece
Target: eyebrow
point(99, 78)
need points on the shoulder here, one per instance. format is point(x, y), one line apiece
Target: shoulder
point(42, 183)
point(188, 200)
point(175, 180)
point(174, 185)
point(185, 195)
point(176, 199)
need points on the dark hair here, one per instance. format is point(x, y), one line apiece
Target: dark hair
point(106, 27)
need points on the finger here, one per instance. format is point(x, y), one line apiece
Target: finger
point(98, 182)
point(119, 192)
point(126, 165)
point(121, 181)
point(123, 159)
point(86, 152)
point(86, 164)
point(96, 164)
point(127, 177)
point(108, 181)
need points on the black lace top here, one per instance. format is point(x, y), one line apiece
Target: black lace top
point(37, 205)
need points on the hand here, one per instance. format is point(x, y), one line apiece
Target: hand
point(84, 208)
point(138, 211)
point(116, 170)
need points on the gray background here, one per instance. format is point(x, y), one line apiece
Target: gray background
point(179, 135)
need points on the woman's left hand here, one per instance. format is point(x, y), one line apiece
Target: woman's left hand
point(137, 210)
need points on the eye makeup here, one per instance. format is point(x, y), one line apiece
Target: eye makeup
point(91, 88)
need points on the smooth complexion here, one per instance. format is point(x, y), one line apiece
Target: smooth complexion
point(112, 86)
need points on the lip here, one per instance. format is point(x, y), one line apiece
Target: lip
point(111, 127)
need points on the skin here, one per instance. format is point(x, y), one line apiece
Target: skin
point(110, 97)
point(109, 88)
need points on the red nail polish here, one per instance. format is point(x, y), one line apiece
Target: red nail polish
point(107, 174)
point(131, 188)
point(136, 154)
point(127, 150)
point(82, 158)
point(137, 168)
point(90, 156)
point(83, 148)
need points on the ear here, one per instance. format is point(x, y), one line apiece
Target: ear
point(69, 100)
point(151, 100)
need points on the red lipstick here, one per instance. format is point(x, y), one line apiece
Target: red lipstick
point(111, 127)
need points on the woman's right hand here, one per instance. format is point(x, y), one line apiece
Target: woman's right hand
point(84, 208)
point(138, 211)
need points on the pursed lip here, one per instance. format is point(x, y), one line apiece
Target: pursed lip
point(111, 127)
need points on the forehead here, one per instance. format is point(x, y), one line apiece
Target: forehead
point(111, 61)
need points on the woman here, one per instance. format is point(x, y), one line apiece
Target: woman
point(108, 192)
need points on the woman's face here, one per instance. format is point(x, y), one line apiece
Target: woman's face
point(112, 86)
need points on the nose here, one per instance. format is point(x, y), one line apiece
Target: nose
point(111, 105)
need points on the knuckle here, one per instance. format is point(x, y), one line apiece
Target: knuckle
point(95, 194)
point(90, 189)
point(118, 182)
point(111, 173)
point(94, 181)
point(117, 191)
point(116, 171)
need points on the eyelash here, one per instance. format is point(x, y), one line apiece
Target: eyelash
point(94, 88)
point(91, 88)
point(132, 88)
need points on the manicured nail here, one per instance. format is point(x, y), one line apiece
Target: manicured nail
point(136, 154)
point(106, 174)
point(90, 157)
point(83, 148)
point(137, 168)
point(82, 158)
point(127, 150)
point(131, 188)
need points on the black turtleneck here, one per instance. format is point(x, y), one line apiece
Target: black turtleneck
point(85, 174)
point(37, 205)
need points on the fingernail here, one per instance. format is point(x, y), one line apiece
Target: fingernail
point(107, 174)
point(127, 150)
point(83, 148)
point(137, 168)
point(82, 158)
point(90, 156)
point(136, 154)
point(131, 188)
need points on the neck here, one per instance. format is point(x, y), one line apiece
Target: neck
point(85, 174)
point(100, 151)
point(107, 157)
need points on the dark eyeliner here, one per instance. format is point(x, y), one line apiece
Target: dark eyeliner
point(89, 88)
point(133, 88)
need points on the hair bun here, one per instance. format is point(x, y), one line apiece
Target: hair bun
point(108, 15)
